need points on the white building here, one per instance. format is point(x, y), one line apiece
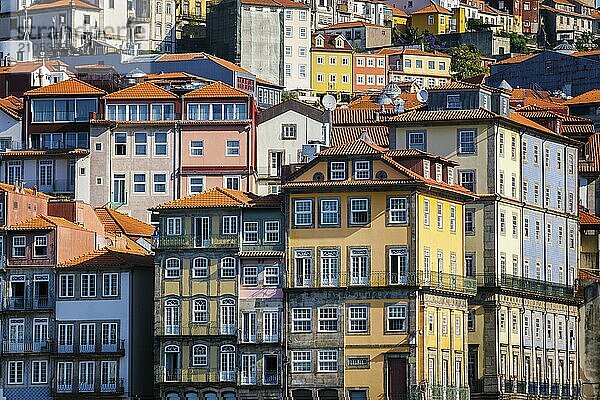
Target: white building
point(282, 132)
point(296, 41)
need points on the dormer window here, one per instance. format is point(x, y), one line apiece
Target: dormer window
point(337, 171)
point(438, 172)
point(426, 169)
point(450, 176)
point(453, 101)
point(362, 170)
point(339, 43)
point(319, 42)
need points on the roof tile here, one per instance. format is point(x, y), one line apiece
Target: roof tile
point(144, 90)
point(118, 223)
point(217, 90)
point(44, 222)
point(591, 97)
point(71, 86)
point(221, 197)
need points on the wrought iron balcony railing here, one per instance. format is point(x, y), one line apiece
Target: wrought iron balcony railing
point(528, 285)
point(195, 242)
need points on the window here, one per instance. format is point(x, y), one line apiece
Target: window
point(110, 284)
point(328, 361)
point(470, 264)
point(502, 223)
point(139, 183)
point(250, 232)
point(196, 148)
point(501, 182)
point(250, 276)
point(15, 372)
point(514, 225)
point(66, 285)
point(40, 246)
point(328, 319)
point(301, 320)
point(398, 266)
point(18, 246)
point(196, 184)
point(416, 140)
point(200, 311)
point(337, 171)
point(396, 318)
point(438, 172)
point(398, 210)
point(330, 212)
point(230, 223)
point(329, 267)
point(303, 213)
point(233, 148)
point(141, 143)
point(440, 215)
point(359, 211)
point(199, 355)
point(39, 372)
point(452, 218)
point(289, 131)
point(200, 267)
point(228, 266)
point(467, 180)
point(159, 183)
point(233, 182)
point(362, 170)
point(466, 142)
point(358, 319)
point(301, 361)
point(469, 221)
point(453, 101)
point(513, 147)
point(172, 268)
point(271, 231)
point(173, 226)
point(160, 144)
point(470, 321)
point(426, 212)
point(88, 285)
point(271, 276)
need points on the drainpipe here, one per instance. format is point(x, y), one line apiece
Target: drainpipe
point(176, 189)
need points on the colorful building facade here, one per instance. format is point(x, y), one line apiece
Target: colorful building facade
point(331, 64)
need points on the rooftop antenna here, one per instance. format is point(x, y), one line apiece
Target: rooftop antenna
point(329, 103)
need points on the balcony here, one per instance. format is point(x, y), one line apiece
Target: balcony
point(527, 285)
point(15, 347)
point(448, 392)
point(271, 378)
point(87, 348)
point(104, 348)
point(554, 390)
point(195, 329)
point(433, 280)
point(85, 387)
point(112, 386)
point(187, 375)
point(227, 376)
point(107, 386)
point(15, 303)
point(195, 242)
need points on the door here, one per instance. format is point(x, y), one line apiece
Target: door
point(15, 172)
point(40, 333)
point(248, 369)
point(397, 378)
point(270, 326)
point(64, 376)
point(303, 271)
point(45, 175)
point(172, 319)
point(40, 292)
point(119, 193)
point(275, 160)
point(202, 231)
point(171, 365)
point(16, 335)
point(108, 376)
point(249, 327)
point(87, 338)
point(228, 317)
point(109, 337)
point(271, 370)
point(86, 376)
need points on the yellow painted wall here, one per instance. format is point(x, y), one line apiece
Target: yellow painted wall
point(441, 22)
point(326, 68)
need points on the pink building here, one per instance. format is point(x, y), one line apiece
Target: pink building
point(217, 139)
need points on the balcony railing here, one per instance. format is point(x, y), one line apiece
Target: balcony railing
point(432, 280)
point(196, 329)
point(13, 347)
point(271, 378)
point(448, 393)
point(85, 387)
point(193, 242)
point(554, 390)
point(527, 285)
point(187, 375)
point(16, 145)
point(111, 385)
point(104, 348)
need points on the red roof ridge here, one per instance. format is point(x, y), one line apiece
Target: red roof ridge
point(159, 92)
point(43, 90)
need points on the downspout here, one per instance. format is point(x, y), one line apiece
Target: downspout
point(176, 189)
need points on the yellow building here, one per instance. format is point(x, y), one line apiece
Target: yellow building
point(433, 18)
point(400, 19)
point(376, 288)
point(460, 20)
point(331, 64)
point(426, 69)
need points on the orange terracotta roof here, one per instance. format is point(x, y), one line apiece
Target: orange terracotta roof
point(521, 120)
point(118, 223)
point(112, 256)
point(221, 197)
point(433, 8)
point(398, 13)
point(94, 66)
point(368, 102)
point(329, 42)
point(216, 90)
point(11, 188)
point(516, 59)
point(144, 90)
point(411, 153)
point(586, 53)
point(583, 274)
point(12, 108)
point(379, 134)
point(227, 64)
point(359, 147)
point(72, 86)
point(461, 85)
point(387, 51)
point(352, 24)
point(584, 129)
point(417, 52)
point(592, 153)
point(264, 3)
point(44, 222)
point(443, 115)
point(585, 218)
point(171, 75)
point(265, 82)
point(60, 4)
point(591, 97)
point(291, 4)
point(595, 14)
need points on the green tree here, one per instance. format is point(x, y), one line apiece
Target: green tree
point(410, 35)
point(477, 25)
point(518, 43)
point(466, 62)
point(585, 41)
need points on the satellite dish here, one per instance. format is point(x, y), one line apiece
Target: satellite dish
point(422, 96)
point(329, 102)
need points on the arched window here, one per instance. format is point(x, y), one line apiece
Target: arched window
point(229, 396)
point(228, 316)
point(200, 267)
point(171, 348)
point(191, 396)
point(210, 396)
point(172, 268)
point(171, 317)
point(228, 267)
point(227, 364)
point(199, 355)
point(172, 396)
point(200, 312)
